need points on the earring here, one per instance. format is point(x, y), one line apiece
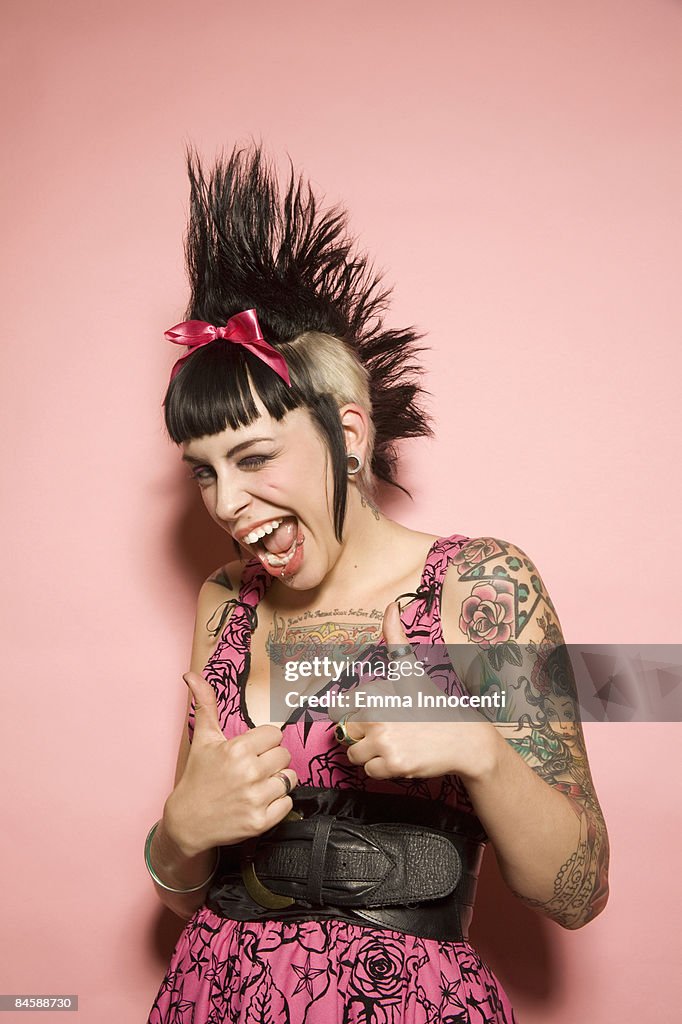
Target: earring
point(352, 470)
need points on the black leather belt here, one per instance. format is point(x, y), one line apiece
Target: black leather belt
point(395, 862)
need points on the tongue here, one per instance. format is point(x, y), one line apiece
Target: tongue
point(280, 540)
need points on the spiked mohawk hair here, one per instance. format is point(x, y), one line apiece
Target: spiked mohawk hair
point(318, 301)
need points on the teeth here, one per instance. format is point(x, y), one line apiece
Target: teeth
point(260, 531)
point(283, 560)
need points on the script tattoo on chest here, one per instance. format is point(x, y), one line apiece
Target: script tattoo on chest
point(301, 635)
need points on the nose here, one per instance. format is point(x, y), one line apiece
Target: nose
point(231, 499)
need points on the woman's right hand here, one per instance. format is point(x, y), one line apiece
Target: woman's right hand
point(230, 789)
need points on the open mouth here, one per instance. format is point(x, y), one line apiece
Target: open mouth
point(276, 542)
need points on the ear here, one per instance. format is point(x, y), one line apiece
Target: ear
point(355, 423)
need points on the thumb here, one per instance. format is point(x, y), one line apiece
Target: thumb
point(392, 628)
point(205, 706)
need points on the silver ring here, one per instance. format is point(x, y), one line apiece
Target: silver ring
point(401, 651)
point(288, 784)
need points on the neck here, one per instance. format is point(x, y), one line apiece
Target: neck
point(370, 541)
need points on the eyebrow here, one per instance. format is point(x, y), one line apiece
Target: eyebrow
point(230, 452)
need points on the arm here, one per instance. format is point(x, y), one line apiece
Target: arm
point(169, 862)
point(526, 772)
point(226, 791)
point(533, 791)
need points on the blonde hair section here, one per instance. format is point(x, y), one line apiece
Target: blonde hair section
point(333, 368)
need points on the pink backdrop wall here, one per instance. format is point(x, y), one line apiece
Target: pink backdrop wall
point(515, 167)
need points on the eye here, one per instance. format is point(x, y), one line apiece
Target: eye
point(254, 461)
point(203, 475)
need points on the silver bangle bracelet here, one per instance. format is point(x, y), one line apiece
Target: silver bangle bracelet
point(152, 872)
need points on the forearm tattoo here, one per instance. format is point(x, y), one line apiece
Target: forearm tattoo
point(507, 613)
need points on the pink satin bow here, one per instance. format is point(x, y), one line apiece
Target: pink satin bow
point(241, 329)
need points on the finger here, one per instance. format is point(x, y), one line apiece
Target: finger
point(206, 721)
point(376, 768)
point(277, 810)
point(274, 760)
point(261, 738)
point(359, 752)
point(349, 708)
point(366, 753)
point(394, 633)
point(346, 731)
point(281, 784)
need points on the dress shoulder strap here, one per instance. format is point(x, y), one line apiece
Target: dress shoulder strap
point(444, 551)
point(421, 617)
point(254, 584)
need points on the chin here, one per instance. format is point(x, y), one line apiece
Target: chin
point(307, 569)
point(307, 578)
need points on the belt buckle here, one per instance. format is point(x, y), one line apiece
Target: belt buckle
point(260, 893)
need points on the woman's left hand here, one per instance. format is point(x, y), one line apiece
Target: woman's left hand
point(410, 748)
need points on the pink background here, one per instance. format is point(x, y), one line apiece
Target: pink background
point(514, 165)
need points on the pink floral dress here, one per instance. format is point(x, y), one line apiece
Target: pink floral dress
point(322, 972)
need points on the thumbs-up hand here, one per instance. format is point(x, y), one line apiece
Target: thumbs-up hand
point(420, 744)
point(230, 790)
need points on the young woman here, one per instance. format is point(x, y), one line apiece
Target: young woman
point(327, 868)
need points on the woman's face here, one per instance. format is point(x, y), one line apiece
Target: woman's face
point(269, 486)
point(561, 717)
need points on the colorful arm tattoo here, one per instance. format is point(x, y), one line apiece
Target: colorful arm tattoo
point(506, 613)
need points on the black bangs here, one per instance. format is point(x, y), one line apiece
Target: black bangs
point(213, 391)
